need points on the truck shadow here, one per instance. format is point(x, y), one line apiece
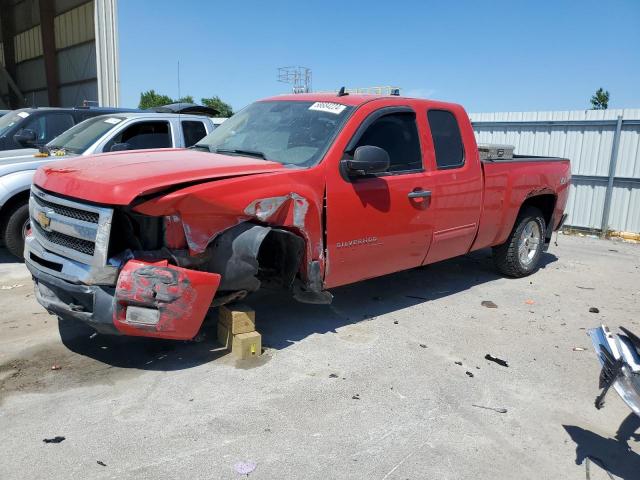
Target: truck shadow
point(6, 257)
point(282, 321)
point(613, 455)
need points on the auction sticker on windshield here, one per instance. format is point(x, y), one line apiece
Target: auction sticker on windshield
point(329, 107)
point(23, 114)
point(112, 120)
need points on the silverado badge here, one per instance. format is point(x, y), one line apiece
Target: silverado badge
point(43, 220)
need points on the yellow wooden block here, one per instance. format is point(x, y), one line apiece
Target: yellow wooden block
point(224, 335)
point(238, 318)
point(247, 345)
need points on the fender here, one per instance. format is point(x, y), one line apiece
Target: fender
point(15, 183)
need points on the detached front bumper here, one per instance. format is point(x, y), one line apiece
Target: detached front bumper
point(149, 300)
point(619, 356)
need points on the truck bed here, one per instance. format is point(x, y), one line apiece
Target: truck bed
point(508, 183)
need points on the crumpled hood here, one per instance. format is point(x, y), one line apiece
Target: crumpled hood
point(118, 178)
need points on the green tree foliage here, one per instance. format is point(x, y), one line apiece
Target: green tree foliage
point(223, 108)
point(600, 100)
point(150, 99)
point(186, 99)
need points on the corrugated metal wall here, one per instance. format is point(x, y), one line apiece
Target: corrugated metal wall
point(28, 44)
point(586, 137)
point(63, 55)
point(75, 26)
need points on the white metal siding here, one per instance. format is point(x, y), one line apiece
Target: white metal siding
point(75, 26)
point(28, 44)
point(589, 149)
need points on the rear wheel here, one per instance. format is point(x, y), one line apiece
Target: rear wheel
point(520, 255)
point(16, 229)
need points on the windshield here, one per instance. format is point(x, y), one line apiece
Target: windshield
point(289, 132)
point(79, 138)
point(10, 119)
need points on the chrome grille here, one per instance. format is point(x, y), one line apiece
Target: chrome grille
point(70, 228)
point(67, 241)
point(76, 213)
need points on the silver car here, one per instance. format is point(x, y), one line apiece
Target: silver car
point(105, 133)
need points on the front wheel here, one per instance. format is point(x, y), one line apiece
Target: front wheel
point(520, 255)
point(16, 229)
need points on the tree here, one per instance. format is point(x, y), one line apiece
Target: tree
point(152, 99)
point(223, 108)
point(600, 100)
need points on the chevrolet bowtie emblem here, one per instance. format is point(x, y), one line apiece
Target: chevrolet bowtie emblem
point(43, 220)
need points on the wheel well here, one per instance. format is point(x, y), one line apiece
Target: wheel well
point(9, 204)
point(248, 254)
point(545, 203)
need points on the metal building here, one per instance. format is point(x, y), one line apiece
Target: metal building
point(604, 149)
point(58, 53)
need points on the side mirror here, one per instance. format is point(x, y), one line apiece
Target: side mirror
point(367, 159)
point(120, 147)
point(25, 137)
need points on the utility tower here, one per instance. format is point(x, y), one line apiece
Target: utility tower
point(298, 77)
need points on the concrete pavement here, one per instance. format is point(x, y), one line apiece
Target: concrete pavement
point(365, 388)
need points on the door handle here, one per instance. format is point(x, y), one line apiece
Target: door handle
point(419, 194)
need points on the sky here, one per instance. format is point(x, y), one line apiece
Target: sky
point(486, 55)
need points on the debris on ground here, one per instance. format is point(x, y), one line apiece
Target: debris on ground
point(579, 349)
point(488, 304)
point(458, 363)
point(585, 288)
point(56, 367)
point(245, 468)
point(356, 396)
point(497, 360)
point(333, 375)
point(422, 345)
point(594, 310)
point(529, 302)
point(56, 439)
point(395, 322)
point(11, 287)
point(499, 410)
point(101, 463)
point(469, 374)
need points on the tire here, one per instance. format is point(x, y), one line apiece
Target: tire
point(520, 255)
point(15, 230)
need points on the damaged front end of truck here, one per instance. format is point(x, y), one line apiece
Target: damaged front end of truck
point(155, 266)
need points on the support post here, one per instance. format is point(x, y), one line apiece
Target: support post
point(604, 228)
point(49, 51)
point(7, 26)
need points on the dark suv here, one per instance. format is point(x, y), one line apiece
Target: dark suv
point(34, 127)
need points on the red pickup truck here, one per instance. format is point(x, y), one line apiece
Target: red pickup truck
point(305, 192)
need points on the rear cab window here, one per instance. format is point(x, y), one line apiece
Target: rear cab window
point(193, 132)
point(447, 140)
